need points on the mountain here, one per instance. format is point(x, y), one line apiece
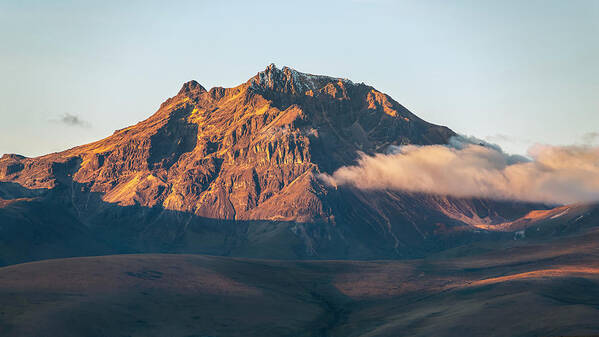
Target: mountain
point(234, 171)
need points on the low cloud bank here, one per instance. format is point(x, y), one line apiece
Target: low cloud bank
point(469, 167)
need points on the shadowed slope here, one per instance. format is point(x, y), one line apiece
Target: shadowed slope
point(553, 291)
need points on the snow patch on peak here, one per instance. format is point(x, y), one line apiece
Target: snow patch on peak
point(313, 81)
point(289, 79)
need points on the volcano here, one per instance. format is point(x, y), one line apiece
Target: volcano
point(235, 172)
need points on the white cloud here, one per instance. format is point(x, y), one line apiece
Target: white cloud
point(469, 167)
point(73, 120)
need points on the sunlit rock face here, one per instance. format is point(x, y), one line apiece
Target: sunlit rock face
point(234, 171)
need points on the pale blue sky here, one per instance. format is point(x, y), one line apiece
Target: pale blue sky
point(515, 71)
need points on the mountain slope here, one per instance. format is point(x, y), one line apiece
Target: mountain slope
point(544, 289)
point(234, 171)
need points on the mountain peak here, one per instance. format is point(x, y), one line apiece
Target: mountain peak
point(191, 86)
point(289, 80)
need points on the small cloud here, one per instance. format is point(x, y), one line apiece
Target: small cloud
point(73, 120)
point(590, 138)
